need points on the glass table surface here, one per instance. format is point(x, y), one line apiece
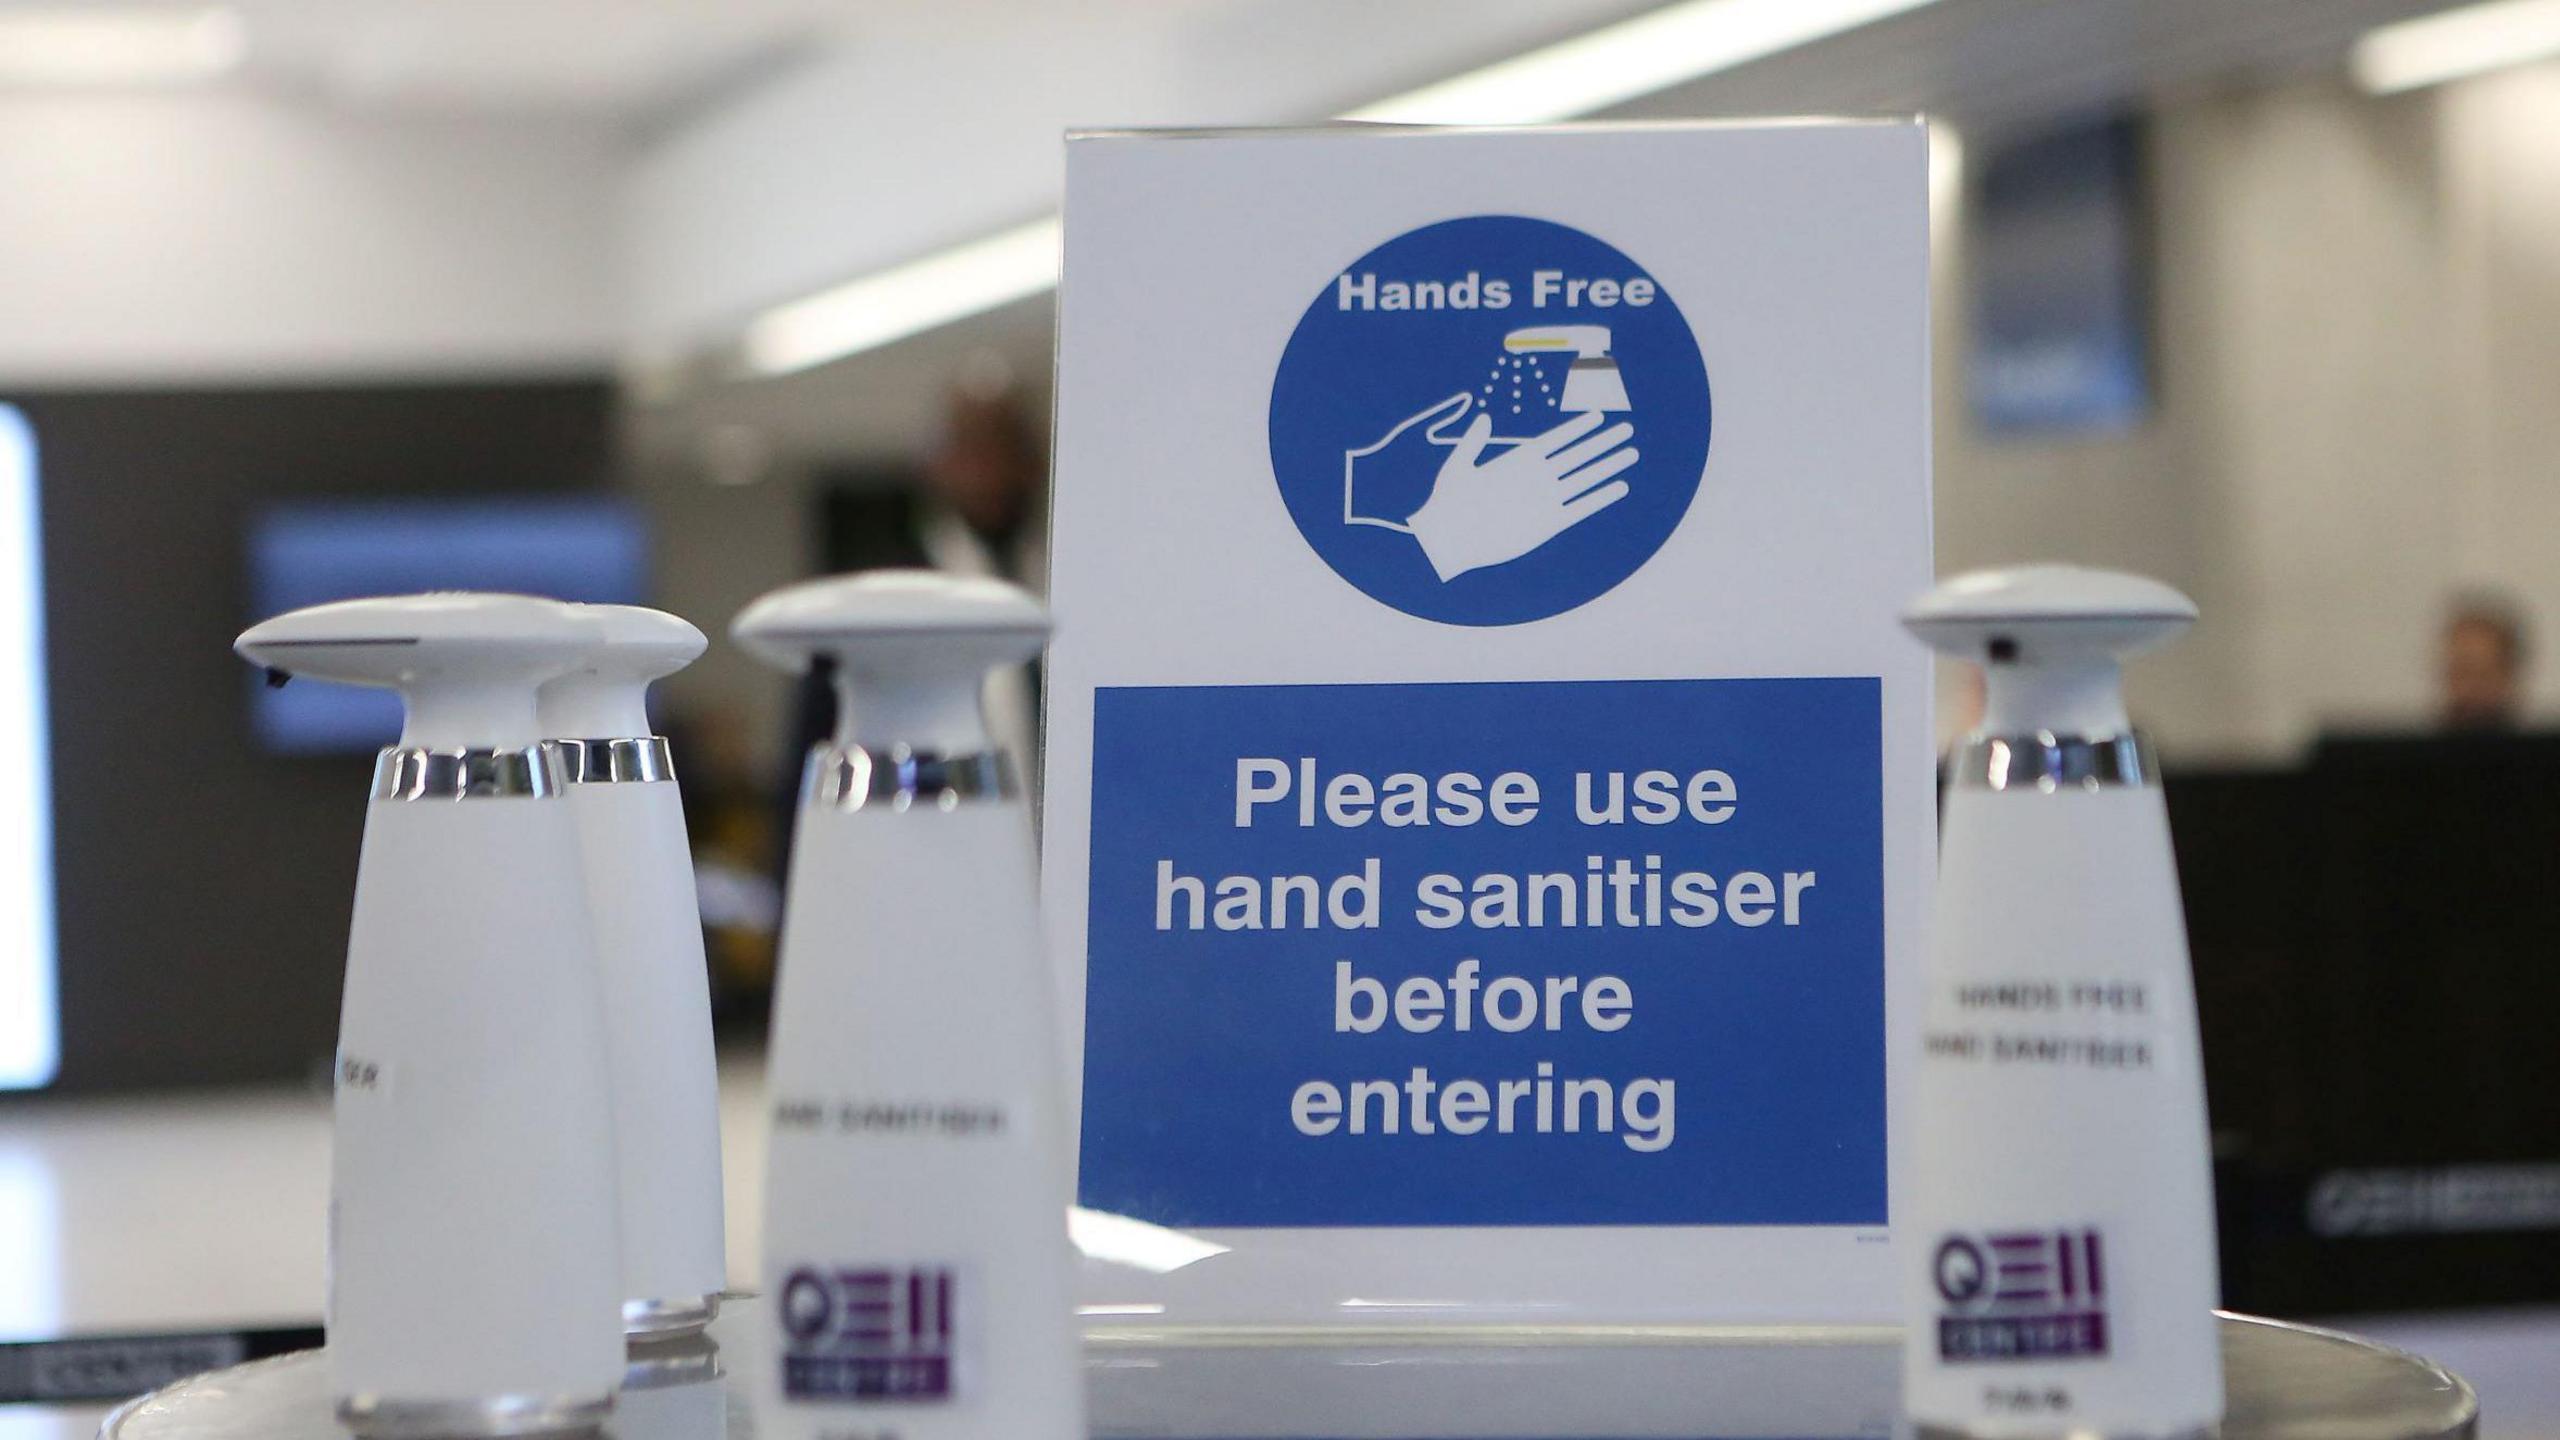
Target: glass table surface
point(1622, 1383)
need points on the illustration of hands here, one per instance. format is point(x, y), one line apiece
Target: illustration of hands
point(1385, 482)
point(1429, 480)
point(1490, 511)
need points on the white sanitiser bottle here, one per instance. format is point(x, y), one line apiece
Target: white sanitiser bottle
point(474, 1276)
point(916, 1259)
point(657, 995)
point(2059, 1223)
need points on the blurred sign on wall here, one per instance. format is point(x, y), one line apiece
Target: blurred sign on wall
point(307, 553)
point(2061, 284)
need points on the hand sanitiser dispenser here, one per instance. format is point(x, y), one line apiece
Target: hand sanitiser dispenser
point(474, 1284)
point(916, 1254)
point(657, 998)
point(2059, 1225)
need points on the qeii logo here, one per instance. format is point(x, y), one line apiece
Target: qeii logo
point(2021, 1295)
point(868, 1333)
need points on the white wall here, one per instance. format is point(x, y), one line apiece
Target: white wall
point(221, 235)
point(2359, 324)
point(2502, 199)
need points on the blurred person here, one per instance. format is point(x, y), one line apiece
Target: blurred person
point(2482, 662)
point(981, 509)
point(987, 484)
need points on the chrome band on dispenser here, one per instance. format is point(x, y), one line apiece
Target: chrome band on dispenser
point(637, 759)
point(404, 773)
point(2047, 762)
point(849, 777)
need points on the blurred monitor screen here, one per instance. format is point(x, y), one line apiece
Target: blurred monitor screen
point(584, 548)
point(2060, 339)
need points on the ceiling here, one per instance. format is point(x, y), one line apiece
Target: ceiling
point(1987, 66)
point(588, 56)
point(668, 69)
point(641, 61)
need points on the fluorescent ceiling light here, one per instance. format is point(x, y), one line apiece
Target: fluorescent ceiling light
point(1605, 67)
point(2453, 43)
point(28, 1027)
point(1618, 63)
point(109, 45)
point(895, 303)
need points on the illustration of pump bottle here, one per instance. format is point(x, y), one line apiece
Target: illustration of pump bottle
point(1591, 382)
point(916, 1256)
point(657, 998)
point(474, 1278)
point(2060, 1265)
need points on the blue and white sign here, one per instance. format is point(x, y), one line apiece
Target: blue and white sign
point(1466, 949)
point(1490, 420)
point(1488, 796)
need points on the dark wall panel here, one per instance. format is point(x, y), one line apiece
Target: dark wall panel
point(204, 885)
point(2374, 939)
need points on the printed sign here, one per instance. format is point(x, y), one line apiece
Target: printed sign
point(1488, 793)
point(1454, 422)
point(1497, 963)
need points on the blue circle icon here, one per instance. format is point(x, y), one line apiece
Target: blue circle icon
point(1490, 420)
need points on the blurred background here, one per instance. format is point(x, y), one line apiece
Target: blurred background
point(669, 302)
